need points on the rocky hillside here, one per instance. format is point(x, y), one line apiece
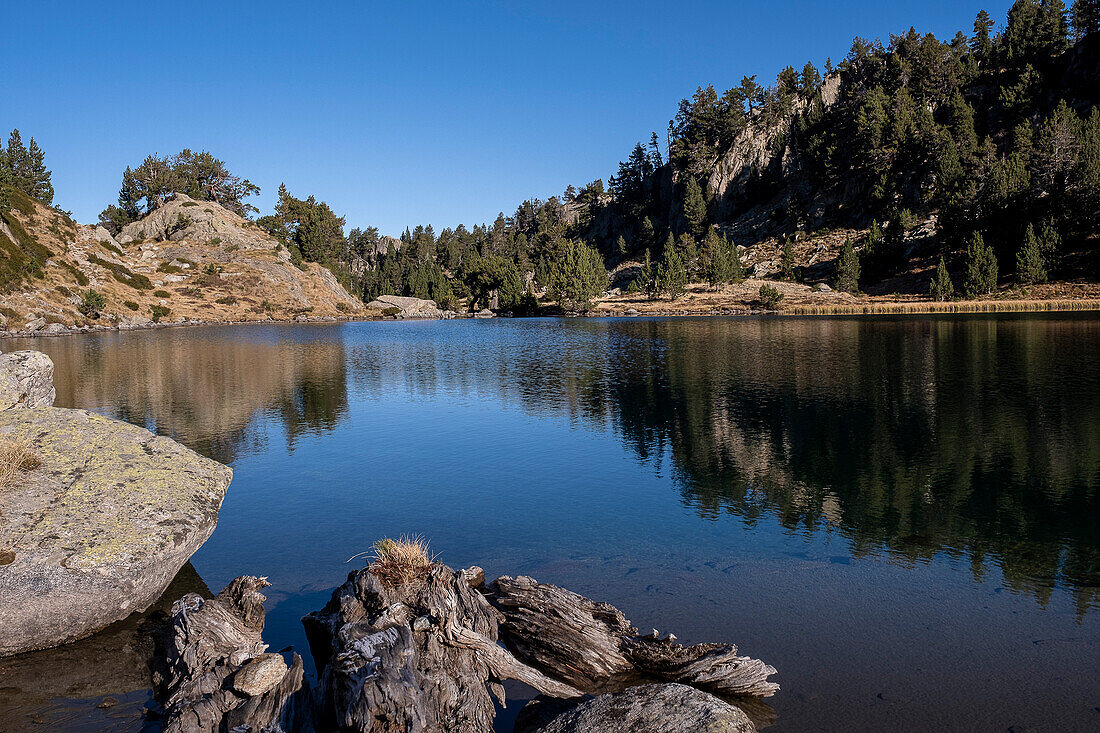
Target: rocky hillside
point(188, 261)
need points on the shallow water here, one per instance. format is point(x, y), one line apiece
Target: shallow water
point(900, 514)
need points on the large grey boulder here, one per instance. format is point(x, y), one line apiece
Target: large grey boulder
point(666, 708)
point(100, 529)
point(409, 307)
point(26, 380)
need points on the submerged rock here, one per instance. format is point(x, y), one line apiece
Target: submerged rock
point(666, 708)
point(99, 530)
point(26, 380)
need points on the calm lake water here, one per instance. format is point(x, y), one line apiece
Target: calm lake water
point(902, 515)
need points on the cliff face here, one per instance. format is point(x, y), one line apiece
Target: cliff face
point(193, 258)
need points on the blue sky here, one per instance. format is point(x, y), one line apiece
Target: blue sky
point(398, 113)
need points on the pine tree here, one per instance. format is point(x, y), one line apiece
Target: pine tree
point(647, 278)
point(786, 260)
point(1029, 260)
point(649, 234)
point(620, 246)
point(716, 260)
point(671, 276)
point(737, 272)
point(1050, 245)
point(38, 177)
point(942, 288)
point(695, 209)
point(981, 44)
point(846, 276)
point(1085, 17)
point(981, 268)
point(689, 254)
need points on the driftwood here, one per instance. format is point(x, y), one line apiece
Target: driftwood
point(213, 674)
point(420, 655)
point(590, 644)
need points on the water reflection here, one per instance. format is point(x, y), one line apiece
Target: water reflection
point(206, 387)
point(978, 437)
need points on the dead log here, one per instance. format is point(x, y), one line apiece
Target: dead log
point(213, 674)
point(590, 644)
point(416, 655)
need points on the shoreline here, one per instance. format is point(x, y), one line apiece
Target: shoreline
point(872, 308)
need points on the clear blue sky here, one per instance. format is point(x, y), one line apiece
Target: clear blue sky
point(403, 112)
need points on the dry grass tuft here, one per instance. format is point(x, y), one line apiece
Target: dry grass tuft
point(16, 455)
point(401, 561)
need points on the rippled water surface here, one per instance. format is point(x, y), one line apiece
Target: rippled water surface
point(900, 514)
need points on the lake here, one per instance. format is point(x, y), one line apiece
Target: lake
point(902, 515)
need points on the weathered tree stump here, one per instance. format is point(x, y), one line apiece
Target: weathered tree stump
point(419, 655)
point(590, 644)
point(213, 674)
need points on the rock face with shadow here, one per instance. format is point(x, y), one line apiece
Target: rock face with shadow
point(100, 528)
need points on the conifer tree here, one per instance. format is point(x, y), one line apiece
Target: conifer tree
point(846, 277)
point(942, 288)
point(981, 268)
point(689, 254)
point(38, 177)
point(786, 260)
point(1029, 260)
point(695, 209)
point(620, 246)
point(737, 272)
point(671, 276)
point(647, 280)
point(716, 260)
point(1085, 17)
point(981, 44)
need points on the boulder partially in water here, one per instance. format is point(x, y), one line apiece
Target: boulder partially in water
point(658, 708)
point(26, 380)
point(100, 528)
point(406, 307)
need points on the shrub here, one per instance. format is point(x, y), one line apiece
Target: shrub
point(110, 247)
point(16, 455)
point(215, 241)
point(159, 311)
point(169, 268)
point(188, 204)
point(391, 311)
point(81, 278)
point(401, 561)
point(227, 300)
point(119, 272)
point(343, 307)
point(161, 294)
point(92, 302)
point(770, 297)
point(131, 305)
point(63, 290)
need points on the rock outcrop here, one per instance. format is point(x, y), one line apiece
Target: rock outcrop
point(187, 261)
point(26, 380)
point(99, 530)
point(666, 708)
point(406, 307)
